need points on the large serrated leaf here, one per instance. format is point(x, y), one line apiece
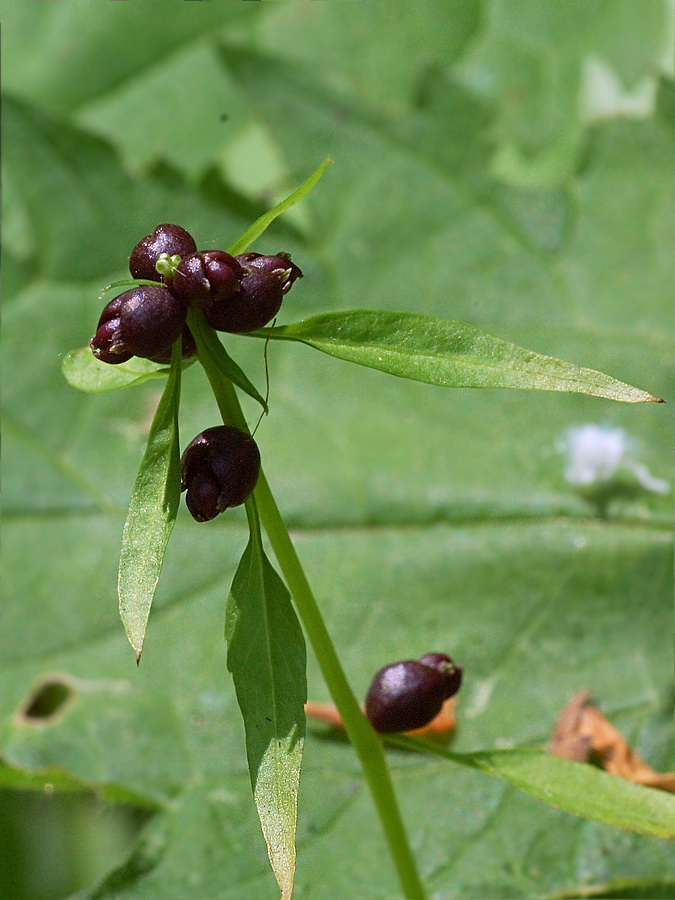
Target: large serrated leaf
point(266, 655)
point(57, 166)
point(447, 353)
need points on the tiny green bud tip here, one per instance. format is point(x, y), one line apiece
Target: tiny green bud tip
point(166, 265)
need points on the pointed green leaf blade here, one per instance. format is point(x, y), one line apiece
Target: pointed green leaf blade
point(260, 225)
point(218, 359)
point(266, 655)
point(127, 282)
point(583, 790)
point(447, 353)
point(152, 512)
point(577, 788)
point(83, 371)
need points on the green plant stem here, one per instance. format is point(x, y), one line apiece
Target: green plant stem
point(365, 741)
point(367, 744)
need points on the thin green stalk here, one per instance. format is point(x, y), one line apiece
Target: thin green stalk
point(365, 741)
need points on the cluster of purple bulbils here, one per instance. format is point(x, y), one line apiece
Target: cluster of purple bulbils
point(220, 467)
point(237, 294)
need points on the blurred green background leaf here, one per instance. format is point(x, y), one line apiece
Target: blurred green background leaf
point(508, 164)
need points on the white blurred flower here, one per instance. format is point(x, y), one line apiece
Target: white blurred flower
point(598, 454)
point(604, 96)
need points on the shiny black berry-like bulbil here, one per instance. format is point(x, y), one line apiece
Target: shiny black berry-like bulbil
point(219, 468)
point(407, 695)
point(447, 668)
point(263, 282)
point(280, 264)
point(188, 348)
point(205, 278)
point(256, 302)
point(144, 321)
point(106, 344)
point(169, 239)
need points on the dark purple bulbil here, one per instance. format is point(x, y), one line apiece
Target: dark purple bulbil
point(106, 346)
point(219, 469)
point(407, 695)
point(144, 322)
point(446, 667)
point(170, 239)
point(205, 278)
point(264, 281)
point(237, 295)
point(188, 348)
point(280, 264)
point(257, 301)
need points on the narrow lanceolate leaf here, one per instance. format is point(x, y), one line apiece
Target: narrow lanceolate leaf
point(127, 282)
point(217, 358)
point(266, 655)
point(83, 371)
point(261, 224)
point(152, 513)
point(446, 353)
point(573, 787)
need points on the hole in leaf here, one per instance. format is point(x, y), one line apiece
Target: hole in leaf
point(48, 700)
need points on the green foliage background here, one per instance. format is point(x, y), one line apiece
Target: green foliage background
point(504, 163)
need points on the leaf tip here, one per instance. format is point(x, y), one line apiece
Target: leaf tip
point(136, 642)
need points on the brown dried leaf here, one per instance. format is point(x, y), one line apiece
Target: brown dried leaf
point(582, 733)
point(567, 740)
point(324, 712)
